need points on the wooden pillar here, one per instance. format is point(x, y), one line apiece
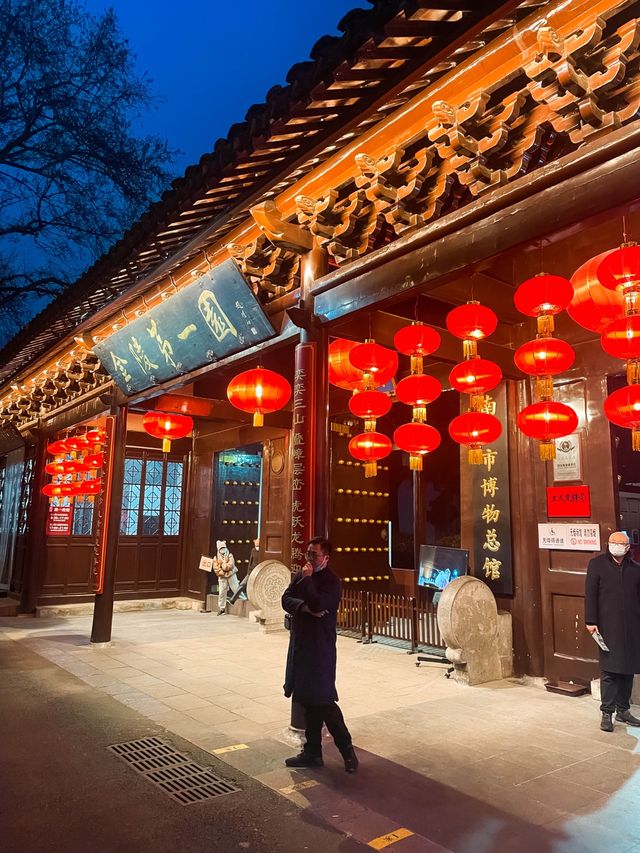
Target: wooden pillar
point(35, 554)
point(420, 503)
point(107, 550)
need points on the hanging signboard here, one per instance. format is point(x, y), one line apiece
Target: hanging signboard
point(568, 502)
point(206, 564)
point(215, 316)
point(492, 560)
point(59, 520)
point(569, 537)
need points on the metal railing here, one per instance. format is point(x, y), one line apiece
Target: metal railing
point(398, 618)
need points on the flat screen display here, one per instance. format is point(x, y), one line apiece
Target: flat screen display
point(439, 566)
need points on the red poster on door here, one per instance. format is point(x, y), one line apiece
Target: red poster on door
point(59, 520)
point(568, 502)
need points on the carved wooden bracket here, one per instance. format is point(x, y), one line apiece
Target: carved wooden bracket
point(279, 231)
point(271, 269)
point(342, 225)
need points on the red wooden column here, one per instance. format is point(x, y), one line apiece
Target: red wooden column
point(303, 451)
point(104, 568)
point(35, 556)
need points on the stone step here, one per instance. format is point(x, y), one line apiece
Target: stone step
point(8, 607)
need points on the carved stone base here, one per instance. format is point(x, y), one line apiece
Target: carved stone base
point(265, 586)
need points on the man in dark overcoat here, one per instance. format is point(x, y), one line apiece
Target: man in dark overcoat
point(312, 600)
point(612, 607)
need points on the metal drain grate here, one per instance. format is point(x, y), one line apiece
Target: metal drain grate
point(171, 771)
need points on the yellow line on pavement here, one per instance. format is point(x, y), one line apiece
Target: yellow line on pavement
point(234, 748)
point(300, 786)
point(391, 838)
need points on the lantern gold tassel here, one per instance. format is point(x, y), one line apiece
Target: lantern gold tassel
point(258, 419)
point(633, 372)
point(415, 461)
point(166, 445)
point(474, 456)
point(545, 325)
point(547, 450)
point(635, 439)
point(370, 469)
point(544, 387)
point(469, 348)
point(370, 425)
point(420, 414)
point(417, 364)
point(477, 402)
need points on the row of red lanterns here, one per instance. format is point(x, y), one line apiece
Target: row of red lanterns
point(75, 459)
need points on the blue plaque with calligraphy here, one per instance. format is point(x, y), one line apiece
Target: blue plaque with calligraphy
point(213, 317)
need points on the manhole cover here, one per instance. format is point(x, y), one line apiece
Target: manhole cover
point(183, 780)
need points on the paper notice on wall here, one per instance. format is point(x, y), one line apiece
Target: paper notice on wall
point(206, 564)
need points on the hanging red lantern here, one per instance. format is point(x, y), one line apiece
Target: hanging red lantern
point(542, 297)
point(58, 490)
point(475, 429)
point(475, 376)
point(96, 436)
point(416, 341)
point(418, 390)
point(378, 364)
point(58, 448)
point(621, 339)
point(259, 391)
point(593, 306)
point(370, 448)
point(168, 427)
point(471, 322)
point(546, 421)
point(369, 405)
point(417, 439)
point(91, 486)
point(341, 372)
point(544, 358)
point(620, 269)
point(622, 407)
point(77, 443)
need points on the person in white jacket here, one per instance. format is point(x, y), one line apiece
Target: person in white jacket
point(225, 568)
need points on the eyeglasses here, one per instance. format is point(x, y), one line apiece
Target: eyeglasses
point(310, 553)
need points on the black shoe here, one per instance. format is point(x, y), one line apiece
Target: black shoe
point(303, 759)
point(628, 718)
point(607, 723)
point(222, 612)
point(351, 761)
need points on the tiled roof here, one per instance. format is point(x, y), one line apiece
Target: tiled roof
point(382, 55)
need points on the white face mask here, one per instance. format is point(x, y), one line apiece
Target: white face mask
point(617, 549)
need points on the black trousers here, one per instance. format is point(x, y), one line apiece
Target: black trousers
point(315, 716)
point(615, 691)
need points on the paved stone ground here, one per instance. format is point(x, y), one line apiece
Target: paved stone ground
point(494, 768)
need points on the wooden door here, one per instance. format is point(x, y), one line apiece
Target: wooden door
point(275, 508)
point(569, 652)
point(149, 545)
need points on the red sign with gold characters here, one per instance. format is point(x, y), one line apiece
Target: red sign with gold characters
point(59, 519)
point(568, 502)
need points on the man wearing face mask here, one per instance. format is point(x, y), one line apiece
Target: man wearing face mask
point(312, 600)
point(612, 607)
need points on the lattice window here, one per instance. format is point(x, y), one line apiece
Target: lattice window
point(82, 516)
point(151, 497)
point(25, 494)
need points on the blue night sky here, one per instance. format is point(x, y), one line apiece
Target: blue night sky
point(209, 61)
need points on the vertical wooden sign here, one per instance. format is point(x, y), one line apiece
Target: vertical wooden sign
point(303, 440)
point(492, 560)
point(100, 546)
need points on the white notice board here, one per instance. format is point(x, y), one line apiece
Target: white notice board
point(569, 537)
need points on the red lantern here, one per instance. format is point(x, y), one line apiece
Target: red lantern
point(57, 490)
point(168, 427)
point(544, 358)
point(58, 448)
point(378, 363)
point(369, 405)
point(416, 439)
point(622, 408)
point(418, 390)
point(417, 341)
point(471, 322)
point(369, 448)
point(475, 376)
point(546, 421)
point(341, 372)
point(543, 296)
point(475, 429)
point(593, 306)
point(96, 436)
point(259, 391)
point(620, 269)
point(89, 487)
point(621, 339)
point(77, 443)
